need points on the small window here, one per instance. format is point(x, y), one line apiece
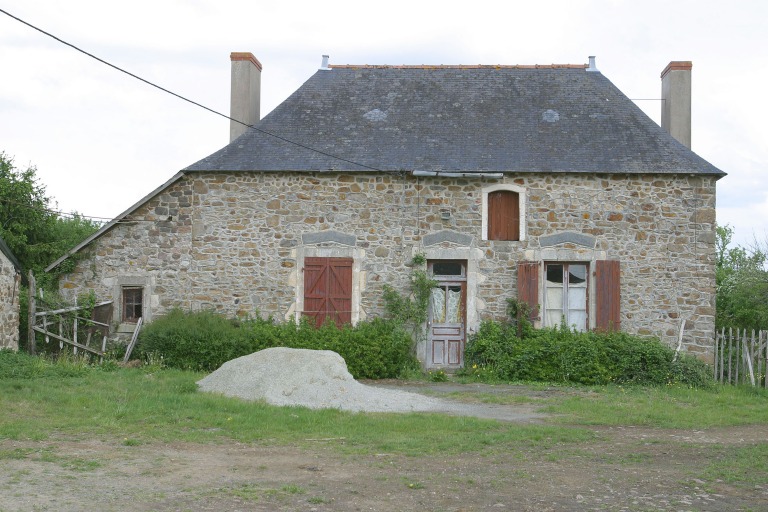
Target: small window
point(447, 268)
point(565, 298)
point(503, 215)
point(132, 303)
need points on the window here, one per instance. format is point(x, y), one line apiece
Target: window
point(503, 208)
point(132, 303)
point(447, 268)
point(565, 295)
point(503, 215)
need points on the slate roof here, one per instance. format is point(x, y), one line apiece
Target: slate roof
point(457, 119)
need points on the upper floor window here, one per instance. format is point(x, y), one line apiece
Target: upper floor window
point(504, 212)
point(503, 215)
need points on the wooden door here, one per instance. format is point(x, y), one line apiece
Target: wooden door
point(328, 290)
point(446, 324)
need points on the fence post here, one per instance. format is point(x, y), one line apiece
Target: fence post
point(765, 365)
point(747, 358)
point(31, 310)
point(722, 350)
point(730, 354)
point(714, 361)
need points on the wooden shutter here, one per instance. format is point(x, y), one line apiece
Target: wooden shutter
point(528, 285)
point(328, 290)
point(503, 215)
point(608, 295)
point(340, 290)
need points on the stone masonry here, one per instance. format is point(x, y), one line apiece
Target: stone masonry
point(10, 284)
point(234, 242)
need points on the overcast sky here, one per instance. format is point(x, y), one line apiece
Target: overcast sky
point(102, 140)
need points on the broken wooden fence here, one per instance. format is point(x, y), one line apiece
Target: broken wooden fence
point(741, 357)
point(66, 326)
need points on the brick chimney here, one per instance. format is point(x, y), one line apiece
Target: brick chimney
point(676, 100)
point(245, 93)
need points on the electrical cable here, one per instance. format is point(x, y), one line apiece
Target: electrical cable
point(279, 137)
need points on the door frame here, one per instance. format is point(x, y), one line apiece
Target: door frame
point(451, 342)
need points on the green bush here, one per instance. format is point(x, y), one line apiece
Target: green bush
point(562, 355)
point(373, 349)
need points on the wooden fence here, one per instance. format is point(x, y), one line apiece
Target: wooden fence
point(741, 357)
point(66, 325)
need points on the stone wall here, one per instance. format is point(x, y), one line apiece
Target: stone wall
point(10, 284)
point(235, 242)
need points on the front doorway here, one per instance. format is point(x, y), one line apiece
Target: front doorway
point(446, 323)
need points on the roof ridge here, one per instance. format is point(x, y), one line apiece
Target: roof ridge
point(459, 66)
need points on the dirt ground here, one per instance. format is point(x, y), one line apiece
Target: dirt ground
point(623, 469)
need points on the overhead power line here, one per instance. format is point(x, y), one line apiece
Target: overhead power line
point(152, 84)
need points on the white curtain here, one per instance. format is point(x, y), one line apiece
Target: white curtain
point(453, 311)
point(438, 305)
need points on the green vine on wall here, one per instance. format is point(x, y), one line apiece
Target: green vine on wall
point(411, 310)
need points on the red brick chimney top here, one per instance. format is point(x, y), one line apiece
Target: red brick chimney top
point(245, 56)
point(677, 65)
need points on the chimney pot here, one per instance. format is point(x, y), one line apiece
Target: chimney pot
point(676, 100)
point(592, 67)
point(245, 93)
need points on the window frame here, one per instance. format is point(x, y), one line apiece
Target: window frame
point(136, 291)
point(522, 205)
point(563, 307)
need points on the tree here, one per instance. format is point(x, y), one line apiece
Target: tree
point(742, 283)
point(35, 233)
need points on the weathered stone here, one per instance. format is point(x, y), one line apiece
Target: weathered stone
point(667, 262)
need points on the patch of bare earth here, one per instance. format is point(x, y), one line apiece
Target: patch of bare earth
point(622, 469)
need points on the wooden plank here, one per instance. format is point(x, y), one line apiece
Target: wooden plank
point(714, 359)
point(765, 367)
point(31, 315)
point(65, 340)
point(747, 357)
point(730, 354)
point(70, 309)
point(133, 340)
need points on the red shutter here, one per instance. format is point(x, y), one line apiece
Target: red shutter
point(528, 285)
point(340, 290)
point(315, 288)
point(328, 289)
point(503, 215)
point(608, 295)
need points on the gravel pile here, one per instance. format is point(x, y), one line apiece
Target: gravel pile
point(317, 379)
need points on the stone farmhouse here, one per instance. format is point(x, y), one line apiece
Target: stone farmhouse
point(10, 284)
point(540, 182)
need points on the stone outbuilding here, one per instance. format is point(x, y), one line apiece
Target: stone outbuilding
point(541, 182)
point(10, 289)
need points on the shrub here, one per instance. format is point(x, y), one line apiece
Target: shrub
point(204, 341)
point(197, 341)
point(562, 355)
